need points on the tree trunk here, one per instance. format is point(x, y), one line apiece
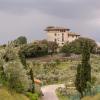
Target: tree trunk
point(32, 78)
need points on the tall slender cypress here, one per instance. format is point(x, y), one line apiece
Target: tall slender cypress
point(83, 76)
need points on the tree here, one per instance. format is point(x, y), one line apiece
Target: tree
point(66, 49)
point(32, 78)
point(22, 58)
point(52, 47)
point(2, 74)
point(76, 46)
point(19, 41)
point(10, 54)
point(83, 76)
point(17, 77)
point(34, 50)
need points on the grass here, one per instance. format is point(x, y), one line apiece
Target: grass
point(97, 97)
point(62, 97)
point(64, 71)
point(7, 95)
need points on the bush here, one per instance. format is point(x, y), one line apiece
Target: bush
point(62, 91)
point(19, 41)
point(57, 61)
point(17, 77)
point(77, 45)
point(10, 54)
point(32, 96)
point(34, 50)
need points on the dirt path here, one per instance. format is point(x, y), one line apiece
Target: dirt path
point(49, 92)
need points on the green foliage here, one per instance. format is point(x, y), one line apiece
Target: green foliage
point(5, 94)
point(83, 76)
point(52, 47)
point(32, 78)
point(17, 77)
point(60, 95)
point(22, 58)
point(22, 40)
point(93, 80)
point(57, 61)
point(37, 49)
point(76, 46)
point(10, 54)
point(34, 50)
point(32, 96)
point(18, 42)
point(2, 74)
point(13, 70)
point(66, 49)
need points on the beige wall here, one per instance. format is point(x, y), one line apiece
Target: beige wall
point(51, 37)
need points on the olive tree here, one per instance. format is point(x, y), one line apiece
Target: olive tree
point(17, 77)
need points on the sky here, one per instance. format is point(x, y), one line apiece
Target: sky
point(30, 17)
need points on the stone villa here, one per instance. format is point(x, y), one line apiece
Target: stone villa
point(60, 35)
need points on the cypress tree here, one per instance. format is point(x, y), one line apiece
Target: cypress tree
point(83, 76)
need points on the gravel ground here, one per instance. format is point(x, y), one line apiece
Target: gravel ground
point(49, 92)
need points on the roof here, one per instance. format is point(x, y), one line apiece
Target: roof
point(52, 28)
point(73, 34)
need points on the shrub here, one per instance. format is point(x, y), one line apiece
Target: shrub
point(34, 50)
point(10, 54)
point(19, 41)
point(57, 61)
point(32, 96)
point(17, 77)
point(76, 46)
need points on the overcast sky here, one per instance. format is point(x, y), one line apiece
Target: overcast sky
point(30, 17)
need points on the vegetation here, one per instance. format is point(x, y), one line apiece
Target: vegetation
point(32, 96)
point(33, 50)
point(44, 70)
point(5, 94)
point(83, 77)
point(96, 97)
point(61, 97)
point(76, 46)
point(15, 74)
point(16, 77)
point(52, 46)
point(19, 41)
point(17, 71)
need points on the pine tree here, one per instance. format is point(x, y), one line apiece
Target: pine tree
point(83, 76)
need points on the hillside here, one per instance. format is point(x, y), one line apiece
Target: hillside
point(7, 95)
point(97, 97)
point(57, 69)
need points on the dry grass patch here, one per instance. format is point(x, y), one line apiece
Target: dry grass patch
point(97, 97)
point(7, 95)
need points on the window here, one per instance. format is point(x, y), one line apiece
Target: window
point(62, 37)
point(55, 34)
point(73, 36)
point(55, 40)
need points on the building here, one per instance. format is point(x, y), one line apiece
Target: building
point(60, 35)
